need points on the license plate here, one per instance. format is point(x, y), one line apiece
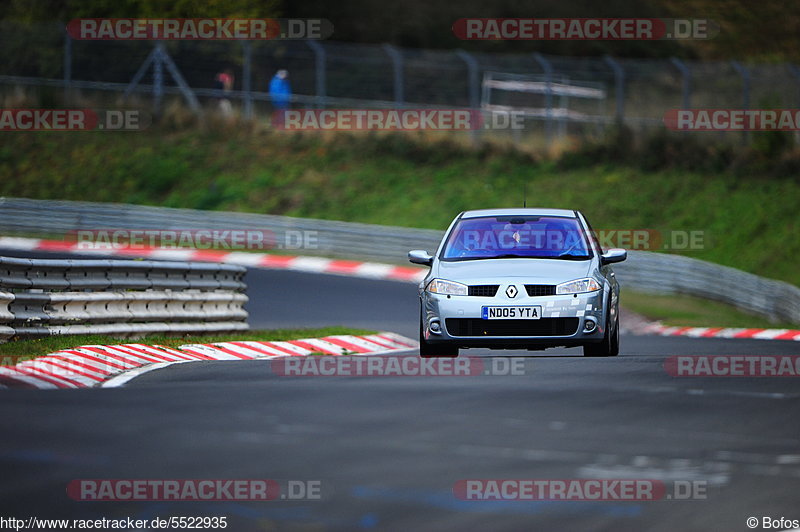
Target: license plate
point(511, 313)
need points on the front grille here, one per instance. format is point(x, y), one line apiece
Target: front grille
point(540, 327)
point(535, 290)
point(483, 290)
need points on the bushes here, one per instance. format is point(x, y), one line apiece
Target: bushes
point(768, 154)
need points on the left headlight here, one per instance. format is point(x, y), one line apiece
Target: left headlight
point(449, 288)
point(578, 286)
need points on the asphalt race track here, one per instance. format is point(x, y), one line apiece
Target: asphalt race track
point(388, 450)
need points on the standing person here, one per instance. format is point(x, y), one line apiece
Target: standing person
point(224, 81)
point(280, 91)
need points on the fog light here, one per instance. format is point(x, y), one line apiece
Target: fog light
point(589, 326)
point(435, 327)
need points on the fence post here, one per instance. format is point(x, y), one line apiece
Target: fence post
point(247, 58)
point(485, 90)
point(397, 61)
point(158, 80)
point(795, 70)
point(619, 87)
point(67, 67)
point(320, 79)
point(140, 73)
point(177, 77)
point(687, 81)
point(745, 91)
point(474, 88)
point(563, 103)
point(547, 67)
point(796, 73)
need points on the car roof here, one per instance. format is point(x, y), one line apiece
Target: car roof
point(519, 212)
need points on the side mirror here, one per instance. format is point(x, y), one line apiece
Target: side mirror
point(613, 255)
point(420, 256)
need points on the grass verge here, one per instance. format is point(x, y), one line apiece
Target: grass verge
point(688, 311)
point(19, 350)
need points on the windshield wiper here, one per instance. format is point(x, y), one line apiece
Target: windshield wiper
point(516, 256)
point(506, 256)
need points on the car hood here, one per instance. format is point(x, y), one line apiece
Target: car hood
point(545, 271)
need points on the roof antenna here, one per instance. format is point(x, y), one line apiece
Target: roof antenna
point(524, 194)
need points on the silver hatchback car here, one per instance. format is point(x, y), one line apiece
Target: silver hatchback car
point(519, 279)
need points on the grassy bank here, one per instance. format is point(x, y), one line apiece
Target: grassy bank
point(688, 311)
point(749, 222)
point(17, 351)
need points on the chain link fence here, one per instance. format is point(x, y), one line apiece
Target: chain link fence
point(42, 59)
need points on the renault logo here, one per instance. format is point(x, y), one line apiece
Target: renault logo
point(511, 291)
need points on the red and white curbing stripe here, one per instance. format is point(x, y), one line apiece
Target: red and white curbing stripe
point(113, 365)
point(718, 332)
point(369, 270)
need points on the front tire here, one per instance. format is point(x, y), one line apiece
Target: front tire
point(428, 350)
point(609, 347)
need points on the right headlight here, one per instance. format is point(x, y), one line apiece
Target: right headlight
point(449, 288)
point(578, 286)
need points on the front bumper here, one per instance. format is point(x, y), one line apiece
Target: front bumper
point(582, 308)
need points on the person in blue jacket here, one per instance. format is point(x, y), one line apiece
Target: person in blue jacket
point(280, 90)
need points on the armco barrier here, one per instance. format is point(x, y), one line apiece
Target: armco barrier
point(643, 271)
point(42, 297)
point(331, 238)
point(662, 273)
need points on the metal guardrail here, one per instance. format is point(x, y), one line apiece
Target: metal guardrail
point(662, 273)
point(332, 238)
point(43, 297)
point(643, 271)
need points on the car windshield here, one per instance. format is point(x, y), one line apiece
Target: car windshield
point(499, 237)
